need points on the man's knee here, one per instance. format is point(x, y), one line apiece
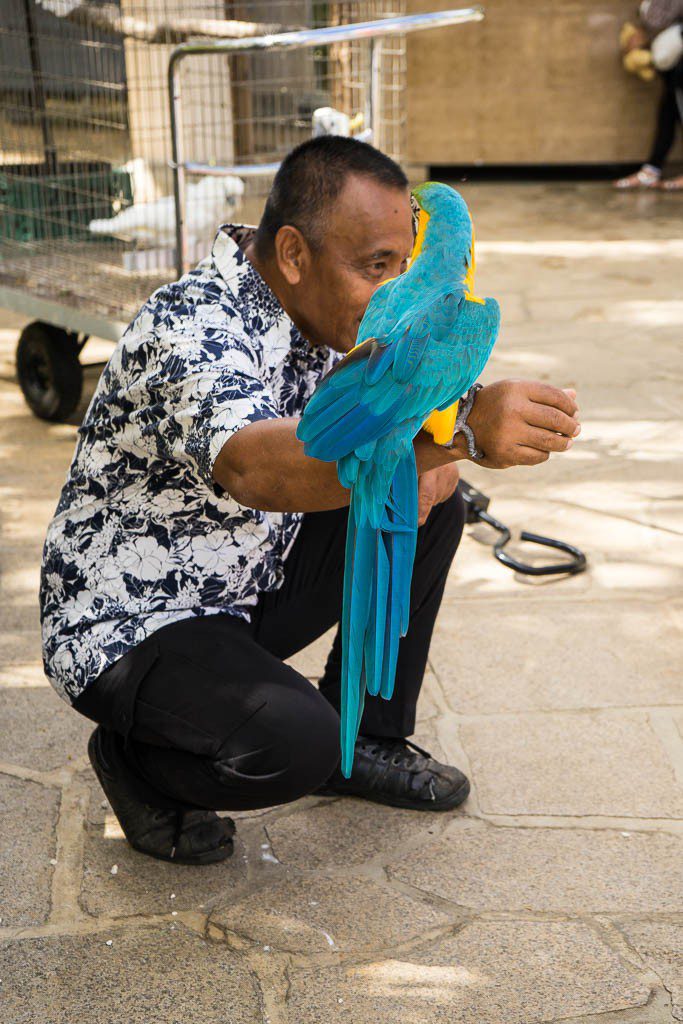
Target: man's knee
point(314, 752)
point(287, 749)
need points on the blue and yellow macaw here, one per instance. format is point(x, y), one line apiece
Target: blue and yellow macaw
point(423, 341)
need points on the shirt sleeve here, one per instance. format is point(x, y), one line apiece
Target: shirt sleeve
point(203, 411)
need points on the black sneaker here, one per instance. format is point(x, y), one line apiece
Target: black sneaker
point(401, 774)
point(184, 836)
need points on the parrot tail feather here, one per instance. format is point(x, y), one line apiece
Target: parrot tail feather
point(401, 519)
point(374, 637)
point(357, 595)
point(380, 550)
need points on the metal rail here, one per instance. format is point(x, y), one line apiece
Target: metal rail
point(373, 31)
point(78, 319)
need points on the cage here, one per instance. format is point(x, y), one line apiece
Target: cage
point(129, 130)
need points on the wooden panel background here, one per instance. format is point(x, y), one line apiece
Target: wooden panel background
point(538, 81)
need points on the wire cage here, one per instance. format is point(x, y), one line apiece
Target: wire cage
point(91, 201)
point(86, 210)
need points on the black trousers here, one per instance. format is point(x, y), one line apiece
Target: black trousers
point(669, 115)
point(205, 714)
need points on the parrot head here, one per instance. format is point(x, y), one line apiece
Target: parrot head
point(443, 216)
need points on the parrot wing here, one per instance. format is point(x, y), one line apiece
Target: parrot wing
point(399, 378)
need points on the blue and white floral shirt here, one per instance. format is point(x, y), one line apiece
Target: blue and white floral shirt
point(142, 536)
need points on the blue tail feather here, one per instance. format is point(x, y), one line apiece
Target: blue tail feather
point(357, 598)
point(379, 563)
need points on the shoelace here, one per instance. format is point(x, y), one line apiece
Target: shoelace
point(401, 753)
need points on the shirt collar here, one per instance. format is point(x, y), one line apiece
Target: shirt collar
point(246, 285)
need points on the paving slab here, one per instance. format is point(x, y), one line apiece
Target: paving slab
point(627, 561)
point(512, 656)
point(602, 361)
point(660, 943)
point(489, 973)
point(22, 614)
point(635, 487)
point(21, 652)
point(643, 496)
point(571, 763)
point(146, 976)
point(549, 870)
point(323, 914)
point(345, 831)
point(40, 731)
point(20, 577)
point(583, 285)
point(609, 459)
point(28, 816)
point(143, 885)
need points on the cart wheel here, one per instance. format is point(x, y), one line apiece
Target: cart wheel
point(50, 375)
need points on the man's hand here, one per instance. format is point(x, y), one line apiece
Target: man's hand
point(520, 422)
point(435, 486)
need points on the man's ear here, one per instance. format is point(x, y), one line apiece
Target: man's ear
point(292, 254)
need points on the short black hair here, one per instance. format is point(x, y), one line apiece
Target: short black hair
point(311, 177)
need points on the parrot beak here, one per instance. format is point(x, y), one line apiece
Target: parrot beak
point(420, 231)
point(415, 209)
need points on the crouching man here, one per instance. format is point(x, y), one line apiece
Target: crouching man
point(195, 547)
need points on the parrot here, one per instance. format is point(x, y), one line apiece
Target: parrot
point(422, 343)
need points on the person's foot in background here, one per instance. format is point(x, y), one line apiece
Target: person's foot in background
point(673, 184)
point(648, 176)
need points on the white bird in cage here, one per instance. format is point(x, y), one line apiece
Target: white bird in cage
point(208, 203)
point(61, 8)
point(330, 121)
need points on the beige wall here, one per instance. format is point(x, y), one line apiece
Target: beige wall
point(538, 81)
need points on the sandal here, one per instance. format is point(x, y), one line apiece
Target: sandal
point(647, 177)
point(673, 184)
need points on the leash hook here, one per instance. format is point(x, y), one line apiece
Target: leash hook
point(476, 505)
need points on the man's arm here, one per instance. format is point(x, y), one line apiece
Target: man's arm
point(263, 465)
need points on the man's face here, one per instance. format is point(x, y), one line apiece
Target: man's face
point(368, 239)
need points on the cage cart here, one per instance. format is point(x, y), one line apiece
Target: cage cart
point(130, 130)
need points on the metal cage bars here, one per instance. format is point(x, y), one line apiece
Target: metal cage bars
point(372, 31)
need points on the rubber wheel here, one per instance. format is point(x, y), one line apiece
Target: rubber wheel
point(49, 372)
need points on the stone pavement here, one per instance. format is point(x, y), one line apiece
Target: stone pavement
point(557, 893)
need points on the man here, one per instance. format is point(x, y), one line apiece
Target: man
point(195, 546)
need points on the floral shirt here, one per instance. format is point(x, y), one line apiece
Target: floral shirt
point(142, 536)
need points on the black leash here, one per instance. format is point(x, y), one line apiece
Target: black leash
point(476, 509)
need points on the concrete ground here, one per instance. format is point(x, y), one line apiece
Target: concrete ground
point(557, 892)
